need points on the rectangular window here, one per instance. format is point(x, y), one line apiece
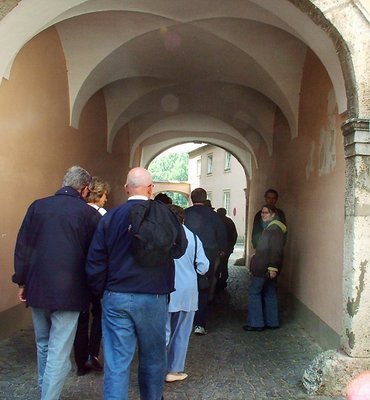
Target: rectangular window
point(226, 201)
point(199, 167)
point(227, 165)
point(209, 163)
point(209, 196)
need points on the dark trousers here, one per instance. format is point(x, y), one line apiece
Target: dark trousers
point(85, 344)
point(223, 270)
point(200, 318)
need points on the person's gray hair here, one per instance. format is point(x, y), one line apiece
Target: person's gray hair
point(76, 177)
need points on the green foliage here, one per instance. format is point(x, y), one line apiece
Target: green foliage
point(170, 167)
point(178, 199)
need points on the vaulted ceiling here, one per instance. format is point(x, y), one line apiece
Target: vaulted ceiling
point(171, 71)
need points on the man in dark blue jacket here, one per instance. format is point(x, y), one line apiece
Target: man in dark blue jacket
point(208, 226)
point(49, 263)
point(135, 296)
point(231, 236)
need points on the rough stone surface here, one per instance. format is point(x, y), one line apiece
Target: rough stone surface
point(331, 372)
point(6, 6)
point(228, 363)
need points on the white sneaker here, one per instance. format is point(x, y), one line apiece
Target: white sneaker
point(176, 376)
point(199, 330)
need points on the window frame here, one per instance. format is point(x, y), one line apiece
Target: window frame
point(209, 163)
point(227, 161)
point(226, 200)
point(199, 166)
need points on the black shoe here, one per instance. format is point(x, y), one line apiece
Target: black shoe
point(252, 328)
point(272, 327)
point(94, 363)
point(83, 371)
point(220, 286)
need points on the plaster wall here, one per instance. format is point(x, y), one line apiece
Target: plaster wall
point(308, 173)
point(38, 145)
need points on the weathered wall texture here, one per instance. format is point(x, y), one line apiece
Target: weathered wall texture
point(7, 6)
point(37, 144)
point(308, 173)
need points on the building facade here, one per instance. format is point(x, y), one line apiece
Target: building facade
point(221, 175)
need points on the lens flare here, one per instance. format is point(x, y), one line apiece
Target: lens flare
point(170, 103)
point(172, 41)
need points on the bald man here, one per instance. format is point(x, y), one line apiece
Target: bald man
point(135, 297)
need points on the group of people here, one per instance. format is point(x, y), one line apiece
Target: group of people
point(71, 256)
point(268, 239)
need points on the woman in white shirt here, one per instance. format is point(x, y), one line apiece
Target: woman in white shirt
point(98, 195)
point(183, 302)
point(87, 341)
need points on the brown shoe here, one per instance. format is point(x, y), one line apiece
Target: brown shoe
point(94, 363)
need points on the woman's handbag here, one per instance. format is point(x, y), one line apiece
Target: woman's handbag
point(203, 281)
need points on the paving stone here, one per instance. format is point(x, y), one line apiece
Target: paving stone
point(226, 364)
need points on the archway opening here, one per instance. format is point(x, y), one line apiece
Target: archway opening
point(182, 168)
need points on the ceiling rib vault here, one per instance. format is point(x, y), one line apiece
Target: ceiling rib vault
point(210, 68)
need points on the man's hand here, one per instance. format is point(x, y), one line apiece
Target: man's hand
point(22, 295)
point(272, 274)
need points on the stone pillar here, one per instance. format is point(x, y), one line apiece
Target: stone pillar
point(331, 371)
point(355, 338)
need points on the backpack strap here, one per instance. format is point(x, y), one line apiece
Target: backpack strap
point(195, 252)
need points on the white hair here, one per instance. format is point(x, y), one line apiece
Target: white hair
point(76, 177)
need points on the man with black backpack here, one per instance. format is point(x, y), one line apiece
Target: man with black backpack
point(135, 285)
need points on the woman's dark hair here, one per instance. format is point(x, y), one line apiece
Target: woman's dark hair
point(164, 198)
point(178, 211)
point(272, 209)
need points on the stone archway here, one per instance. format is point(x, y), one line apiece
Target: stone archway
point(178, 187)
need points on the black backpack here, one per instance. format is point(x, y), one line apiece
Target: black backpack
point(154, 230)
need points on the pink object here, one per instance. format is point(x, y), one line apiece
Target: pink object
point(359, 388)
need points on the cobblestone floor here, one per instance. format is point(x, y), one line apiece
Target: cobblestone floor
point(226, 364)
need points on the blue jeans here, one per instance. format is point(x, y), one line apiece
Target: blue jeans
point(54, 334)
point(130, 318)
point(262, 302)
